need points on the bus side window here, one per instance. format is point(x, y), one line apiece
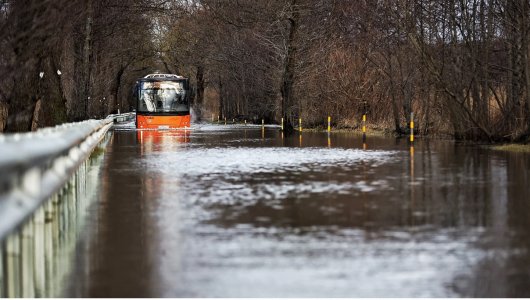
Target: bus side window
point(147, 102)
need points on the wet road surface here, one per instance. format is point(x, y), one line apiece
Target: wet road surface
point(228, 211)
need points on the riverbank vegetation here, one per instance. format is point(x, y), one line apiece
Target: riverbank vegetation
point(462, 67)
point(513, 148)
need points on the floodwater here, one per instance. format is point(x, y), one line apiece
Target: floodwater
point(234, 211)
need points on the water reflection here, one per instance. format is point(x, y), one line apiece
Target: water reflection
point(503, 270)
point(423, 221)
point(161, 140)
point(247, 212)
point(119, 258)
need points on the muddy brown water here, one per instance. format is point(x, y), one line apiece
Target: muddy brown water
point(227, 211)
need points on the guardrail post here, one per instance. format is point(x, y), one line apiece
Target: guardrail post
point(48, 257)
point(49, 211)
point(40, 265)
point(13, 267)
point(27, 256)
point(2, 279)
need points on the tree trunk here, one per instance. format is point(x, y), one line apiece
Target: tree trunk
point(3, 116)
point(524, 137)
point(526, 65)
point(200, 92)
point(288, 71)
point(59, 100)
point(87, 49)
point(35, 118)
point(221, 101)
point(515, 59)
point(395, 109)
point(119, 76)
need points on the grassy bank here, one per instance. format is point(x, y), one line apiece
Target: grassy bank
point(513, 148)
point(369, 131)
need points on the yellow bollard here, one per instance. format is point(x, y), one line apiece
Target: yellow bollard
point(364, 123)
point(282, 124)
point(411, 128)
point(329, 123)
point(364, 131)
point(329, 141)
point(300, 124)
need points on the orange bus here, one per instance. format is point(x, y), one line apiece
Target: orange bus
point(162, 102)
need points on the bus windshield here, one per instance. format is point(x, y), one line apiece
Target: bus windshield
point(162, 96)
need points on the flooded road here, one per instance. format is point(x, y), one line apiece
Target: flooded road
point(226, 211)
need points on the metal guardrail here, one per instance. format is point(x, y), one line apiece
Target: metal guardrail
point(35, 165)
point(122, 117)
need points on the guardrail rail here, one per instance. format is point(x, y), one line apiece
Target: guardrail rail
point(47, 179)
point(36, 165)
point(122, 117)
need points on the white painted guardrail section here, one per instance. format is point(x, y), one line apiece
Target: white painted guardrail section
point(36, 165)
point(122, 117)
point(46, 178)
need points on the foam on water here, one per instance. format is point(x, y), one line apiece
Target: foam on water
point(199, 161)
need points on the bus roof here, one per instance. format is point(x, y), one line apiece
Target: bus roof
point(164, 76)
